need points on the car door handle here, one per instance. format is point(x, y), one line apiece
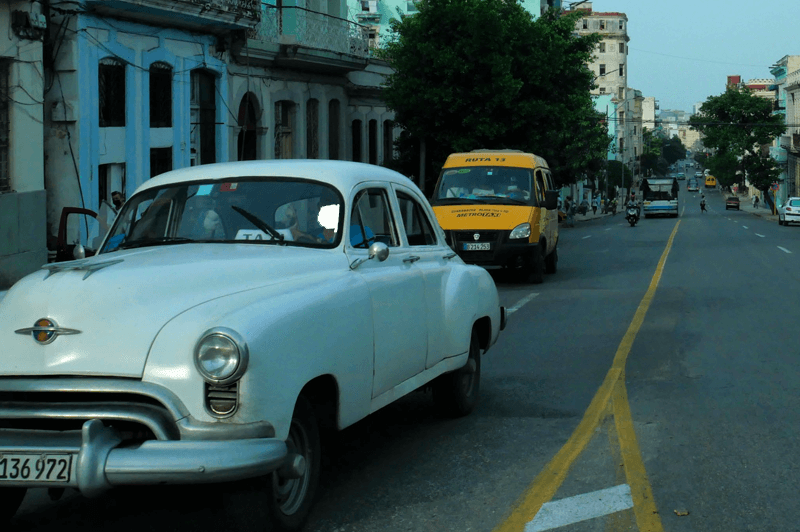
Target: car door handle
point(412, 258)
point(449, 256)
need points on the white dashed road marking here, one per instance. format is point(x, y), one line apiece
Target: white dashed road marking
point(784, 250)
point(587, 236)
point(521, 303)
point(762, 236)
point(579, 508)
point(745, 227)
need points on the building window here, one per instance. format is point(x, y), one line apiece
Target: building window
point(621, 70)
point(622, 47)
point(602, 90)
point(160, 95)
point(621, 93)
point(111, 82)
point(372, 35)
point(284, 124)
point(373, 141)
point(203, 117)
point(110, 179)
point(5, 127)
point(602, 69)
point(585, 24)
point(622, 117)
point(312, 129)
point(160, 160)
point(388, 141)
point(246, 145)
point(333, 130)
point(355, 130)
point(621, 24)
point(602, 24)
point(602, 48)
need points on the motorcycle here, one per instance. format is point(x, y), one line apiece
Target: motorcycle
point(632, 216)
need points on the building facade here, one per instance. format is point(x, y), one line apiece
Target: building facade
point(136, 88)
point(791, 140)
point(23, 233)
point(610, 64)
point(780, 146)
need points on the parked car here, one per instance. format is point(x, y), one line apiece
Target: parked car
point(231, 312)
point(732, 202)
point(789, 212)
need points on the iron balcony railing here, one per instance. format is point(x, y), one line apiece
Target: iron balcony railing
point(312, 29)
point(246, 8)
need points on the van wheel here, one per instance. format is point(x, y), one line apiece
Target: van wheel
point(551, 262)
point(537, 265)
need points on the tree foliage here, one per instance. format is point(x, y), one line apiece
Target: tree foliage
point(673, 150)
point(736, 124)
point(472, 74)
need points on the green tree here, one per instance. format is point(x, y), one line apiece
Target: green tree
point(612, 177)
point(651, 154)
point(472, 74)
point(673, 150)
point(737, 124)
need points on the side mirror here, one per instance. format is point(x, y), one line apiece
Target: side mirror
point(550, 200)
point(79, 252)
point(379, 250)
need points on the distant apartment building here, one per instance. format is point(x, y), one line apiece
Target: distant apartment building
point(610, 64)
point(791, 140)
point(780, 146)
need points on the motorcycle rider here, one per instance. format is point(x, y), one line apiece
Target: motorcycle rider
point(633, 204)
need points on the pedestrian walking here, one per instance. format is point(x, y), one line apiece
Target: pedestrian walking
point(569, 210)
point(755, 202)
point(595, 205)
point(703, 204)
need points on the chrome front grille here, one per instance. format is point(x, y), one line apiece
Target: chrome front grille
point(222, 401)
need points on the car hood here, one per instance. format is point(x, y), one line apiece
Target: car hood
point(111, 307)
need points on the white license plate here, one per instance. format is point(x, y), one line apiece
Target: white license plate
point(30, 467)
point(479, 246)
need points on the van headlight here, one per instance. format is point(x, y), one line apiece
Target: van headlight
point(221, 355)
point(520, 231)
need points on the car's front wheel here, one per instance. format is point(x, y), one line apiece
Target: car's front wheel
point(291, 499)
point(10, 501)
point(457, 392)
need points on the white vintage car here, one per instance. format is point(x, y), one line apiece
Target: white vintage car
point(231, 312)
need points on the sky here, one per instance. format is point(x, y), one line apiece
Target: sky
point(681, 51)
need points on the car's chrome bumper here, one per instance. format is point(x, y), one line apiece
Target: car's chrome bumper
point(101, 464)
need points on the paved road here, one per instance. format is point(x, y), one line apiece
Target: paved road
point(711, 382)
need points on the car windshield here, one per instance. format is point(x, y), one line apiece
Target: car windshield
point(258, 210)
point(485, 183)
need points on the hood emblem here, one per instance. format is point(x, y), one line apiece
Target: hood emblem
point(476, 236)
point(45, 330)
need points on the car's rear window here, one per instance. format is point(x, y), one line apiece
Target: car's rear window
point(794, 203)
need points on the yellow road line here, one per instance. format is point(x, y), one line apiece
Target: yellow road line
point(547, 482)
point(644, 506)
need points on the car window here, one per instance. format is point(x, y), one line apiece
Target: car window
point(371, 219)
point(794, 203)
point(418, 228)
point(540, 187)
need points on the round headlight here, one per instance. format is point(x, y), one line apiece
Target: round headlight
point(520, 231)
point(221, 356)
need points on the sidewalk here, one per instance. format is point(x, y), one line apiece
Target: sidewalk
point(746, 205)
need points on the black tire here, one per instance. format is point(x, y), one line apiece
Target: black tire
point(290, 500)
point(10, 501)
point(780, 222)
point(536, 271)
point(551, 262)
point(632, 222)
point(274, 504)
point(456, 393)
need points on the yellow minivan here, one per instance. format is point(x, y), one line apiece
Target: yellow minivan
point(499, 208)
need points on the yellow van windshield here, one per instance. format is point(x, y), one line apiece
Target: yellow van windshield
point(487, 183)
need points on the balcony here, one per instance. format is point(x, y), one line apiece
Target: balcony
point(216, 16)
point(302, 39)
point(369, 12)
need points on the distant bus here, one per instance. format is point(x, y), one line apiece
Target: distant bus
point(660, 197)
point(711, 181)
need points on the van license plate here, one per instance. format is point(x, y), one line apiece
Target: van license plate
point(23, 467)
point(479, 246)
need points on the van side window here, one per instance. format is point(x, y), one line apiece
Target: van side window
point(541, 186)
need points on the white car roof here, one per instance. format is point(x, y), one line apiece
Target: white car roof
point(343, 175)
